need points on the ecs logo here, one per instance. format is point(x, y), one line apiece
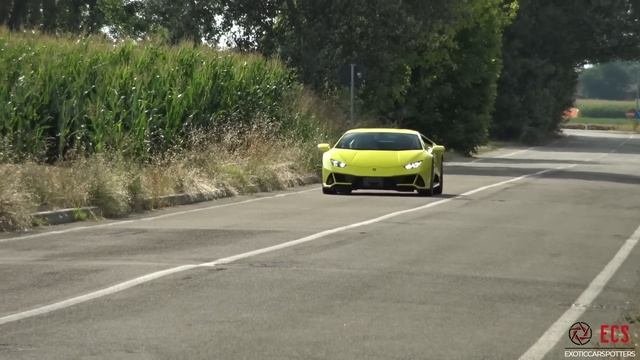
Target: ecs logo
point(614, 341)
point(614, 334)
point(580, 334)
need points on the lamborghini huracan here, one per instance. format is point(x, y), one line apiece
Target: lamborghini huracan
point(382, 159)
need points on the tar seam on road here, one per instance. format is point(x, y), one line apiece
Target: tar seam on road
point(90, 227)
point(159, 274)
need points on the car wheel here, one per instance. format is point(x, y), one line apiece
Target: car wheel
point(440, 187)
point(428, 191)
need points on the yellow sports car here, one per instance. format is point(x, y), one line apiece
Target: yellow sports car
point(383, 159)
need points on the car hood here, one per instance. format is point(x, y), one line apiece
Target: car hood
point(369, 158)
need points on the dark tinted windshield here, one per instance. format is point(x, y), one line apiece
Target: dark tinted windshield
point(379, 141)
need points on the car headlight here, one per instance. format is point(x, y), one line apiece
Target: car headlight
point(338, 163)
point(413, 165)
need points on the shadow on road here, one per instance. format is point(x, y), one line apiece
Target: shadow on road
point(496, 171)
point(569, 174)
point(593, 176)
point(594, 144)
point(530, 161)
point(399, 194)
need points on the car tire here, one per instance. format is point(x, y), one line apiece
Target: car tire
point(438, 190)
point(328, 191)
point(429, 191)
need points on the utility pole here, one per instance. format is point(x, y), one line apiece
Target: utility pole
point(353, 66)
point(637, 90)
point(636, 118)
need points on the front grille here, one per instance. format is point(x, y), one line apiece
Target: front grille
point(405, 179)
point(389, 182)
point(408, 179)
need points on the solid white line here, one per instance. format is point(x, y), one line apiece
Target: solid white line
point(94, 295)
point(156, 275)
point(176, 213)
point(559, 329)
point(514, 153)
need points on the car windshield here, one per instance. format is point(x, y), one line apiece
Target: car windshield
point(379, 141)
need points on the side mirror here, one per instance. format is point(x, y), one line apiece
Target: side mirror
point(438, 149)
point(324, 147)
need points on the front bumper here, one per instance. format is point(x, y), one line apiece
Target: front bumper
point(408, 182)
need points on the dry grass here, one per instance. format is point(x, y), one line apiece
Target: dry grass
point(16, 202)
point(244, 160)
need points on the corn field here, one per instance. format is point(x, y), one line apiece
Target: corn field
point(88, 95)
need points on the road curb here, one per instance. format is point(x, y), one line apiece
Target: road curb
point(70, 215)
point(588, 127)
point(65, 216)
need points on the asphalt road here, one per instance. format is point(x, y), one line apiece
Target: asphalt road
point(481, 272)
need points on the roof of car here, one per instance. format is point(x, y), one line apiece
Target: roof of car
point(389, 130)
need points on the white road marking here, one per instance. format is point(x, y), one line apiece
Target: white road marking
point(94, 295)
point(156, 275)
point(559, 328)
point(176, 213)
point(514, 153)
point(544, 344)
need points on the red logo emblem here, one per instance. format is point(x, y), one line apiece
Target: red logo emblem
point(580, 333)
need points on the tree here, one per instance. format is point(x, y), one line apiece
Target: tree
point(612, 81)
point(18, 14)
point(193, 20)
point(452, 97)
point(431, 66)
point(543, 50)
point(5, 11)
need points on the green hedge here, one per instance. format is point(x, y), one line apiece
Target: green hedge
point(91, 95)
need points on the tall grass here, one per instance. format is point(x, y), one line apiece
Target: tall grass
point(88, 95)
point(121, 125)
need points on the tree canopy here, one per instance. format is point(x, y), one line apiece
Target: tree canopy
point(456, 69)
point(545, 49)
point(616, 80)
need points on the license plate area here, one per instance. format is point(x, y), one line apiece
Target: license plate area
point(373, 182)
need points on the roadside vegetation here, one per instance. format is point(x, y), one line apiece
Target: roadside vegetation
point(103, 102)
point(613, 109)
point(61, 96)
point(88, 122)
point(604, 114)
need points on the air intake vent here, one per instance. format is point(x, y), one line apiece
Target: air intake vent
point(342, 178)
point(330, 179)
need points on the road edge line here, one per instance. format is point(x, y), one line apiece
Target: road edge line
point(559, 328)
point(150, 218)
